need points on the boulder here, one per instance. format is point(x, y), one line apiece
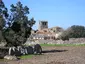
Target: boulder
point(1, 56)
point(14, 51)
point(29, 49)
point(25, 50)
point(9, 57)
point(21, 49)
point(37, 49)
point(11, 51)
point(17, 53)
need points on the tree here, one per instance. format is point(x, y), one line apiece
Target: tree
point(19, 27)
point(3, 17)
point(74, 31)
point(77, 31)
point(3, 10)
point(3, 14)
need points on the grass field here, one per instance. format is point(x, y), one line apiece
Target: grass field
point(26, 56)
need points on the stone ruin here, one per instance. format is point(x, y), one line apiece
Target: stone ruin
point(6, 52)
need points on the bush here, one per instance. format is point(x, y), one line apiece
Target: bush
point(74, 31)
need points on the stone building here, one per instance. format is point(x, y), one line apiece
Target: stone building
point(46, 33)
point(43, 25)
point(56, 29)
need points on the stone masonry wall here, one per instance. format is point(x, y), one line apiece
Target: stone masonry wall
point(70, 41)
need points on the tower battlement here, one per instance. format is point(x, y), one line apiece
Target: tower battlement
point(43, 25)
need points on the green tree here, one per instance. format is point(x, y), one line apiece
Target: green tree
point(19, 27)
point(3, 17)
point(74, 31)
point(3, 10)
point(77, 31)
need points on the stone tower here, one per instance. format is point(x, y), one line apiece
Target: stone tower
point(43, 25)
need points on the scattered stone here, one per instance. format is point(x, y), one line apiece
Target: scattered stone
point(29, 50)
point(9, 57)
point(17, 53)
point(37, 49)
point(11, 51)
point(1, 56)
point(25, 50)
point(21, 50)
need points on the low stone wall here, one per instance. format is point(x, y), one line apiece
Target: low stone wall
point(20, 50)
point(70, 41)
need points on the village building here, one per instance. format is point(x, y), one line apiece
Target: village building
point(46, 33)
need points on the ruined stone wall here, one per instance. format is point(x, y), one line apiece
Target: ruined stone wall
point(70, 41)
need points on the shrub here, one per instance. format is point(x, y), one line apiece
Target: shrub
point(74, 31)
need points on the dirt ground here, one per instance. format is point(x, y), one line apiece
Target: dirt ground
point(55, 55)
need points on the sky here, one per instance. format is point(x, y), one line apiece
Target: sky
point(62, 13)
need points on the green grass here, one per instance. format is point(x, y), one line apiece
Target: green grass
point(26, 56)
point(62, 44)
point(1, 59)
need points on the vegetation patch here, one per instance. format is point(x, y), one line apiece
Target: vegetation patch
point(26, 56)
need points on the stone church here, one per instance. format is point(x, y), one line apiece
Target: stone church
point(44, 32)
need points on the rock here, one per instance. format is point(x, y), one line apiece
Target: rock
point(14, 51)
point(25, 50)
point(22, 51)
point(9, 57)
point(37, 49)
point(29, 49)
point(11, 51)
point(17, 53)
point(1, 56)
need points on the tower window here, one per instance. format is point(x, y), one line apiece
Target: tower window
point(44, 23)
